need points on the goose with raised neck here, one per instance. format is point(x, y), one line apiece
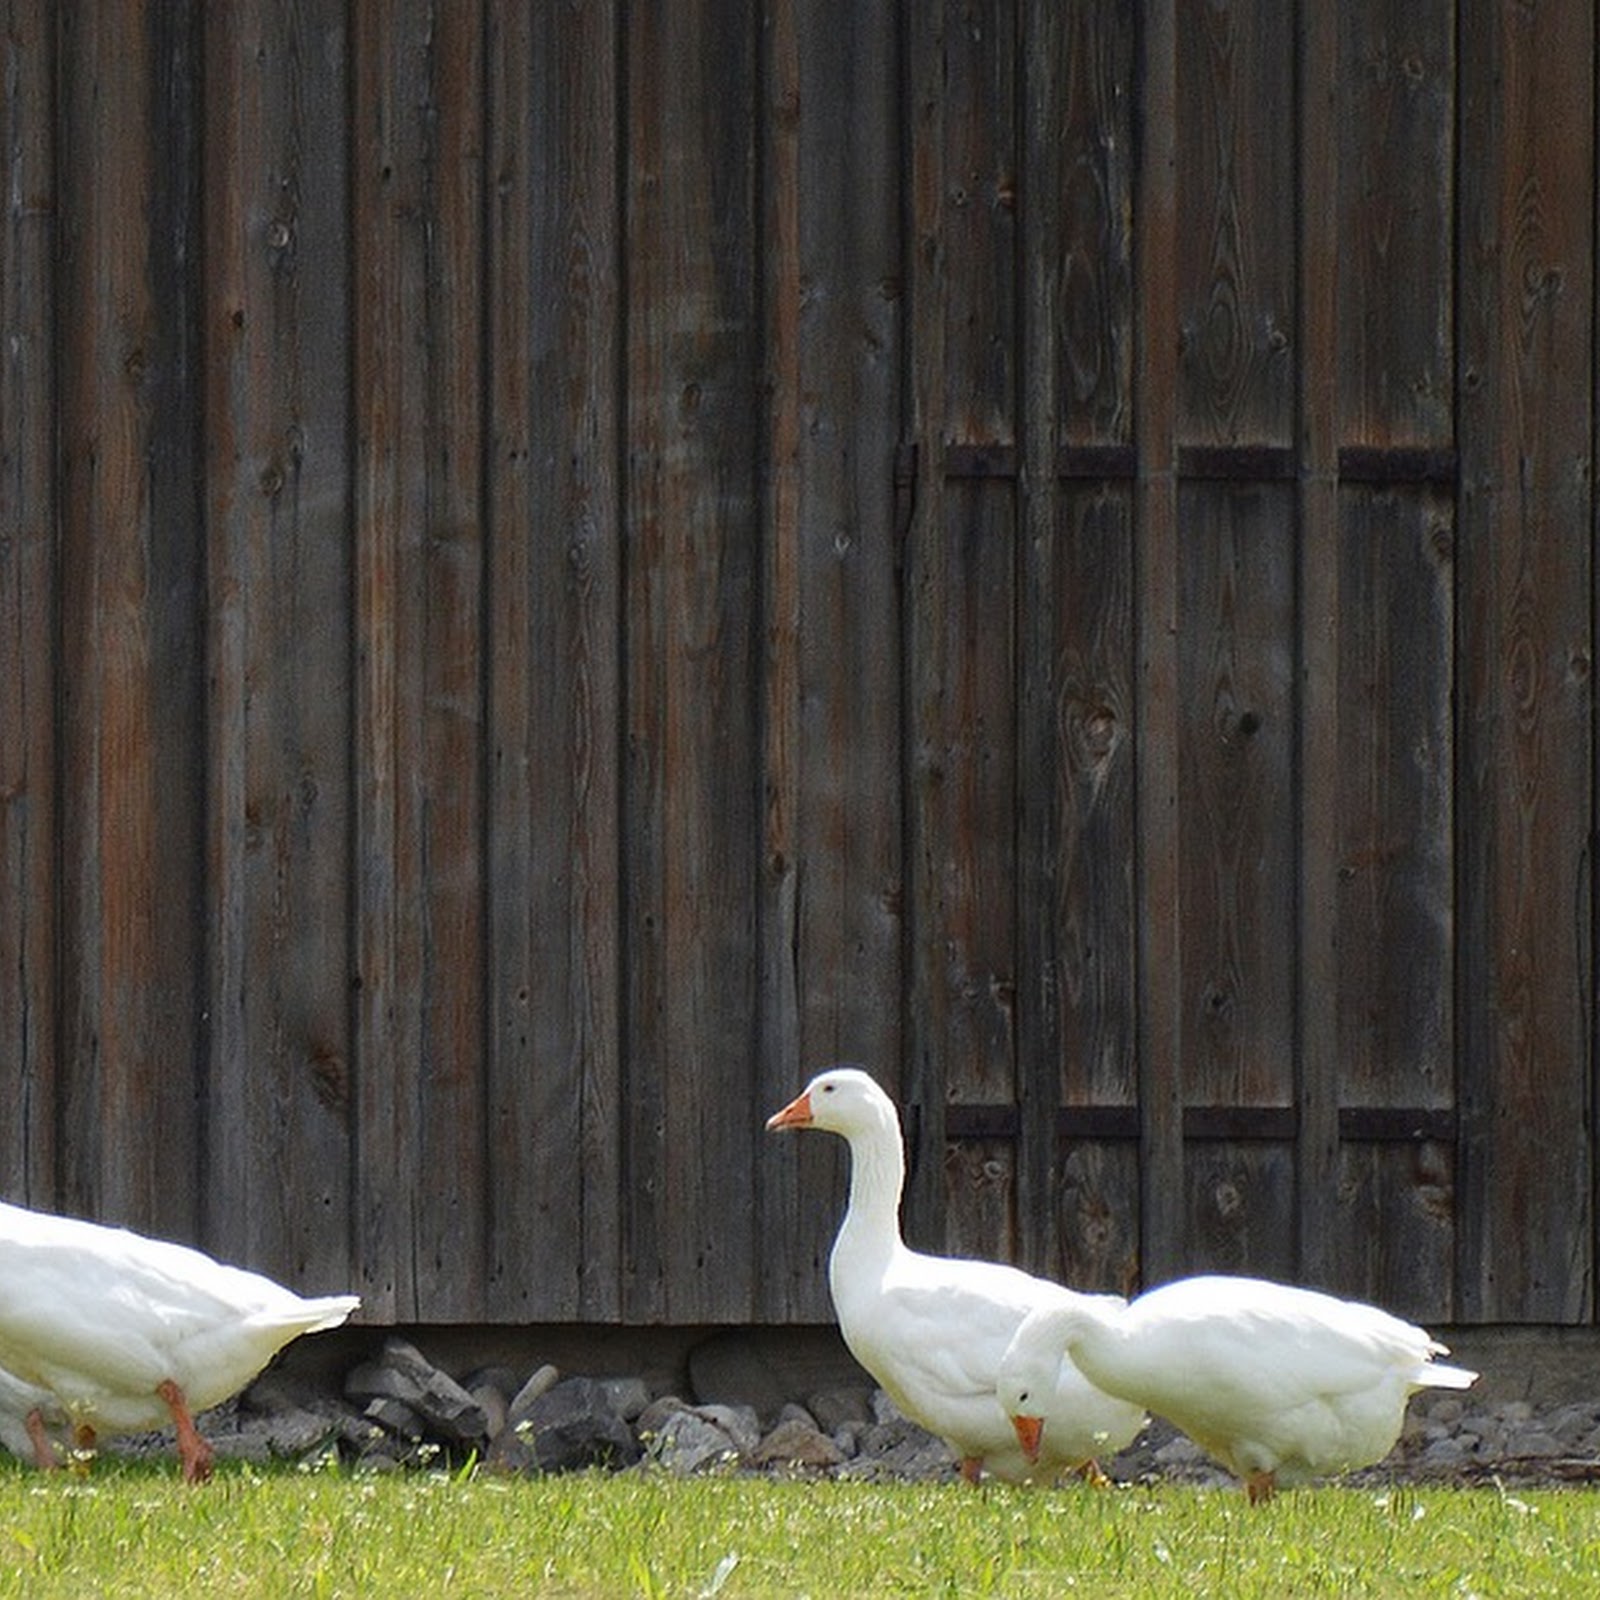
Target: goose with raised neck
point(931, 1330)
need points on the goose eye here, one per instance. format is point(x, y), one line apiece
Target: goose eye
point(1023, 1395)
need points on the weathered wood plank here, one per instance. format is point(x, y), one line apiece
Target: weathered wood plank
point(1317, 967)
point(1080, 170)
point(1391, 875)
point(1526, 692)
point(831, 865)
point(130, 667)
point(971, 797)
point(1237, 861)
point(554, 1052)
point(389, 45)
point(1097, 1217)
point(1392, 1236)
point(692, 779)
point(1093, 985)
point(278, 1179)
point(1075, 340)
point(927, 483)
point(1396, 74)
point(1236, 1197)
point(1161, 1191)
point(978, 239)
point(1236, 700)
point(964, 571)
point(452, 1208)
point(980, 1177)
point(29, 803)
point(1235, 223)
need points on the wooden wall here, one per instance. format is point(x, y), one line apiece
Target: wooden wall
point(563, 567)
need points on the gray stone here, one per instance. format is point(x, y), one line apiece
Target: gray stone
point(403, 1373)
point(653, 1418)
point(727, 1369)
point(396, 1417)
point(797, 1443)
point(1573, 1424)
point(833, 1408)
point(1533, 1442)
point(543, 1380)
point(1445, 1454)
point(688, 1441)
point(1446, 1409)
point(510, 1452)
point(492, 1389)
point(572, 1426)
point(738, 1422)
point(884, 1410)
point(628, 1396)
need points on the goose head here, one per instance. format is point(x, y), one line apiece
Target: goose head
point(1026, 1382)
point(842, 1100)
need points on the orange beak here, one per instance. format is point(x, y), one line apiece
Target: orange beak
point(797, 1114)
point(1030, 1431)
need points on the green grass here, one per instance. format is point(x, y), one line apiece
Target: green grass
point(131, 1529)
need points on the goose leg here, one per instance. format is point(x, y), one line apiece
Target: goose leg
point(1092, 1474)
point(1260, 1487)
point(972, 1468)
point(193, 1451)
point(44, 1455)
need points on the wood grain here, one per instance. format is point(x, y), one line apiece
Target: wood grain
point(554, 499)
point(278, 1181)
point(29, 798)
point(130, 667)
point(831, 863)
point(692, 780)
point(1235, 223)
point(1525, 695)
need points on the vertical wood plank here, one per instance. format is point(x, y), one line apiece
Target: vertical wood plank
point(1040, 245)
point(965, 576)
point(1317, 245)
point(389, 45)
point(1237, 858)
point(1235, 222)
point(453, 1204)
point(1236, 700)
point(555, 1041)
point(923, 1087)
point(831, 862)
point(1394, 1239)
point(1526, 759)
point(1075, 782)
point(1081, 174)
point(28, 607)
point(1390, 1014)
point(1394, 366)
point(1160, 1036)
point(692, 681)
point(278, 1180)
point(1091, 985)
point(129, 693)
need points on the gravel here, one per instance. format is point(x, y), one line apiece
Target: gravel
point(396, 1410)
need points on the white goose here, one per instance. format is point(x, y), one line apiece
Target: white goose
point(27, 1414)
point(932, 1329)
point(130, 1333)
point(1268, 1379)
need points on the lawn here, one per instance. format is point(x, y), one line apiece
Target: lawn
point(131, 1529)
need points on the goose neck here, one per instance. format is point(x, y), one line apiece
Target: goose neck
point(877, 1175)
